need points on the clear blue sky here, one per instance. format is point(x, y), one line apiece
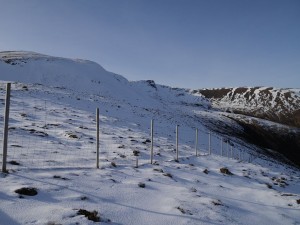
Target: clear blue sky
point(183, 43)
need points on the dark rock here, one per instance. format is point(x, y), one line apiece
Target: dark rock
point(269, 186)
point(73, 136)
point(142, 185)
point(205, 171)
point(183, 211)
point(168, 175)
point(136, 152)
point(158, 170)
point(59, 177)
point(218, 202)
point(226, 171)
point(93, 216)
point(13, 162)
point(151, 83)
point(193, 189)
point(27, 191)
point(83, 198)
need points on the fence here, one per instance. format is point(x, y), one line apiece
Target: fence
point(43, 133)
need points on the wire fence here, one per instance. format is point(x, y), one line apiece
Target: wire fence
point(43, 133)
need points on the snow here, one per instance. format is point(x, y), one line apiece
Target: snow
point(63, 168)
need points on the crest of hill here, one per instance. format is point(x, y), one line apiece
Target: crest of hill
point(30, 67)
point(89, 77)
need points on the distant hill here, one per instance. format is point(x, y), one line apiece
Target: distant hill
point(280, 105)
point(252, 108)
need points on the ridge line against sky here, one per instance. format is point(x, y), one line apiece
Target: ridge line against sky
point(192, 44)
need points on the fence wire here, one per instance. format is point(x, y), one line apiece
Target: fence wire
point(46, 134)
point(43, 134)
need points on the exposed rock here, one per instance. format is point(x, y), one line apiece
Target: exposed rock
point(226, 171)
point(142, 185)
point(27, 191)
point(205, 171)
point(93, 216)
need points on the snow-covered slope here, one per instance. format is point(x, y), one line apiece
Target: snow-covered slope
point(85, 76)
point(52, 148)
point(275, 104)
point(254, 108)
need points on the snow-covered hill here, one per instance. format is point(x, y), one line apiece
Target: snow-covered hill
point(275, 104)
point(87, 77)
point(52, 149)
point(254, 108)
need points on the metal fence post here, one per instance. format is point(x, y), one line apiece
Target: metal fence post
point(227, 149)
point(209, 143)
point(97, 121)
point(151, 151)
point(221, 146)
point(137, 162)
point(196, 142)
point(177, 142)
point(5, 132)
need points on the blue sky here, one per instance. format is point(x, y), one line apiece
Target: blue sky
point(183, 43)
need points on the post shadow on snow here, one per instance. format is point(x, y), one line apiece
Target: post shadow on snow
point(119, 204)
point(6, 219)
point(254, 203)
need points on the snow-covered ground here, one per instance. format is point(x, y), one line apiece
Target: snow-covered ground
point(52, 138)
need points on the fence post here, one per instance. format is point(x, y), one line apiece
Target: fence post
point(221, 146)
point(209, 143)
point(177, 142)
point(231, 151)
point(97, 141)
point(151, 150)
point(227, 149)
point(196, 143)
point(137, 162)
point(5, 132)
point(240, 154)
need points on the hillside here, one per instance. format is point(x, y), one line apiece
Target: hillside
point(52, 148)
point(254, 108)
point(274, 104)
